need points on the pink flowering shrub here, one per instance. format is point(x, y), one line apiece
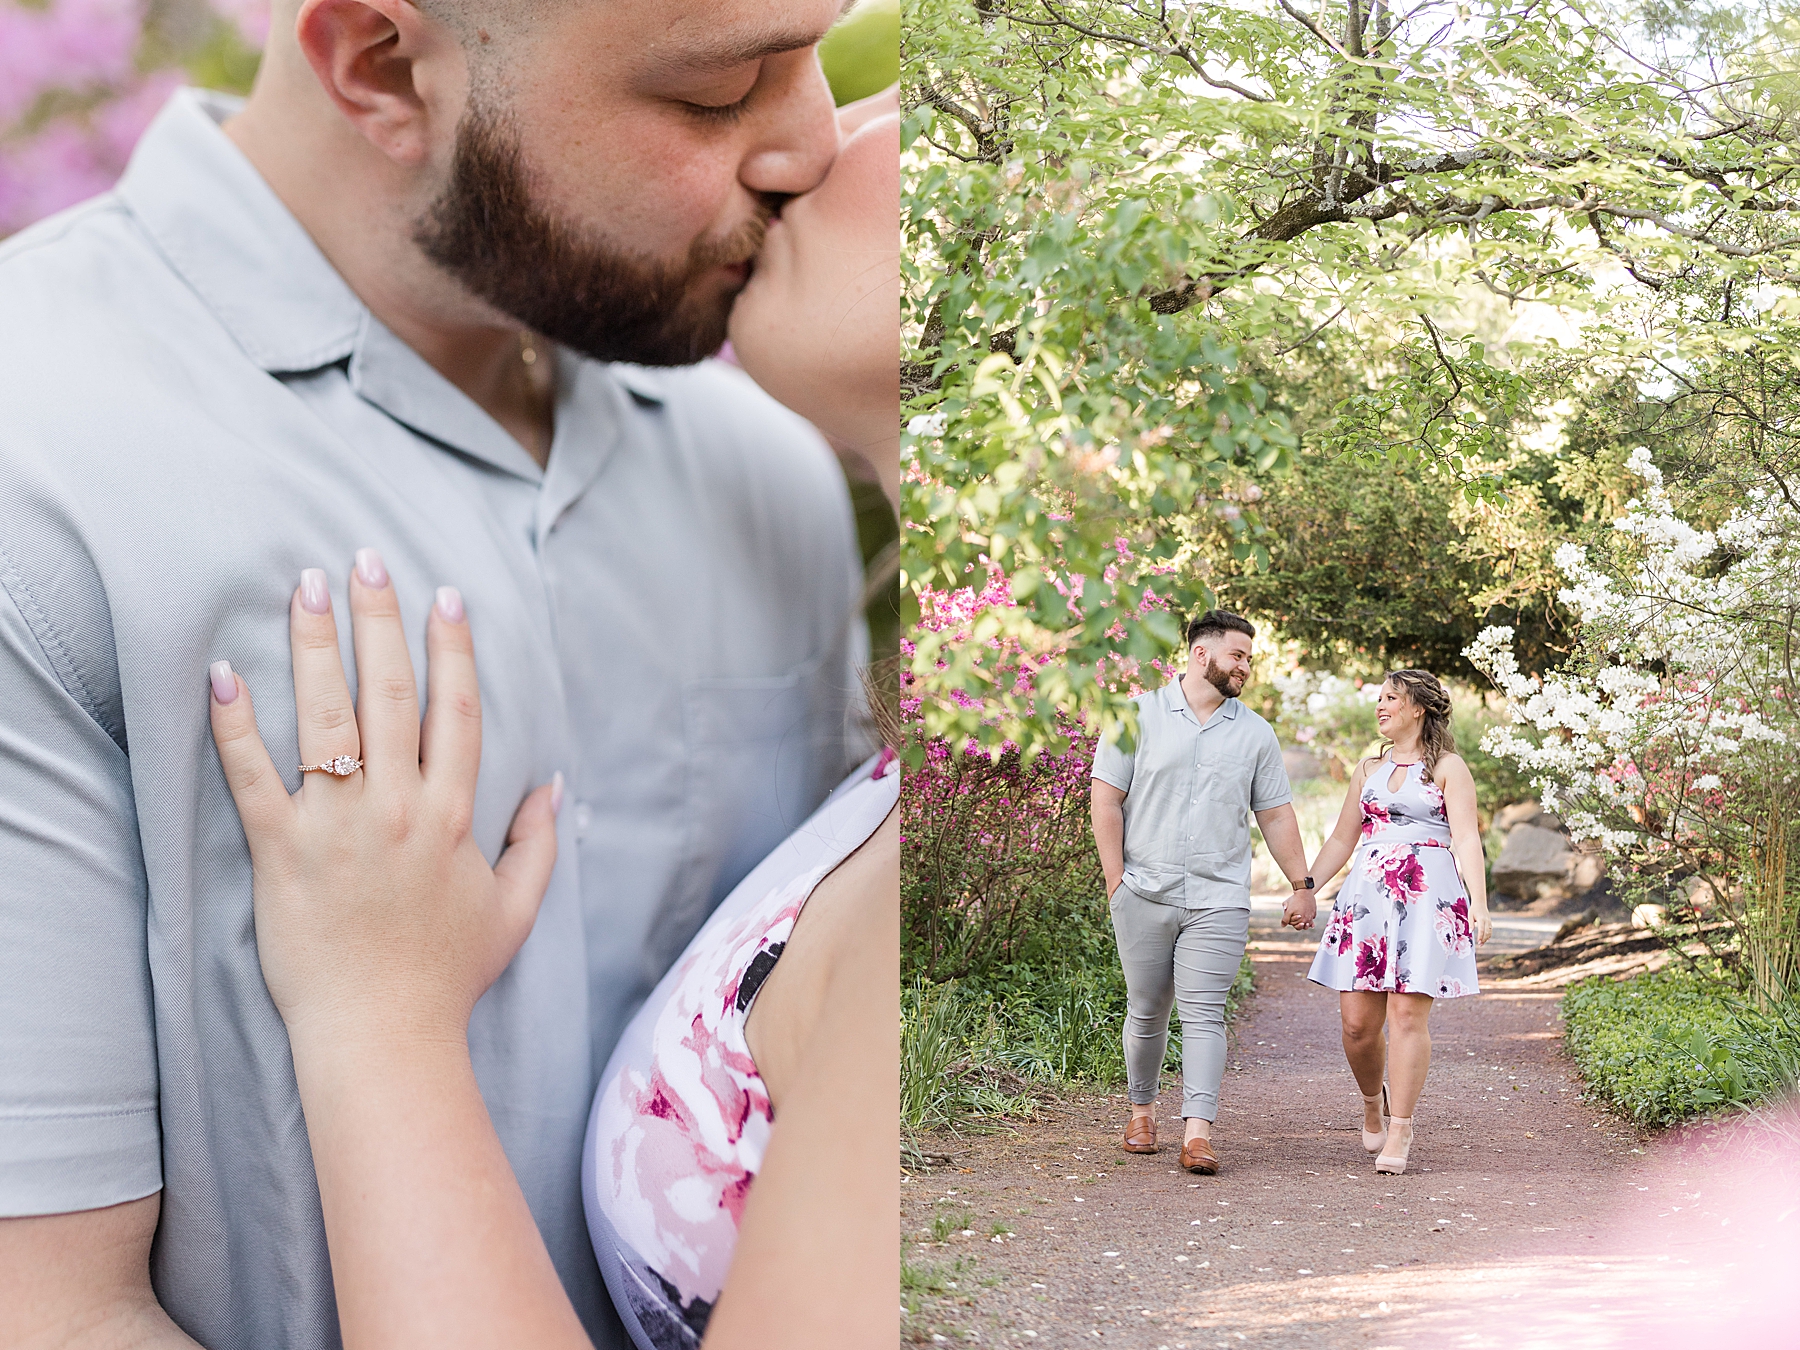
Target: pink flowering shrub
point(997, 859)
point(81, 79)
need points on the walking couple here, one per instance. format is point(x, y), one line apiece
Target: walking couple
point(1171, 822)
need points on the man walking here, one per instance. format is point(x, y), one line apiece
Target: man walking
point(1171, 822)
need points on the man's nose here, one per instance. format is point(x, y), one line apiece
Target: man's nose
point(798, 136)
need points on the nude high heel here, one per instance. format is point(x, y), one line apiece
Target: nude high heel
point(1372, 1142)
point(1395, 1163)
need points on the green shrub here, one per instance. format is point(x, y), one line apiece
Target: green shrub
point(971, 1049)
point(1668, 1046)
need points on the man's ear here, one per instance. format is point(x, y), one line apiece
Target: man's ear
point(389, 69)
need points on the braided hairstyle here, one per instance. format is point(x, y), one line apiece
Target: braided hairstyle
point(1426, 693)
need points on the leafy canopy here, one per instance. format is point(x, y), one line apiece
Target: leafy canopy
point(1127, 222)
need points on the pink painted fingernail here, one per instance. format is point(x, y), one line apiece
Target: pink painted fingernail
point(315, 598)
point(556, 793)
point(449, 604)
point(369, 569)
point(224, 683)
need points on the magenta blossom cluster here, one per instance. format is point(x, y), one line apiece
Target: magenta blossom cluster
point(75, 95)
point(986, 835)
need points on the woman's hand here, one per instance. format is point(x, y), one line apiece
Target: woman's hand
point(376, 913)
point(1484, 926)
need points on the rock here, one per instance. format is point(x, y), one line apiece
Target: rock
point(1648, 916)
point(1575, 925)
point(1590, 870)
point(1526, 813)
point(1519, 813)
point(1301, 765)
point(1535, 864)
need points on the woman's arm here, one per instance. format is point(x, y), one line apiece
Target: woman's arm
point(1458, 786)
point(818, 1252)
point(1346, 834)
point(379, 923)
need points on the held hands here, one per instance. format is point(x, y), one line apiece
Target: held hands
point(1299, 910)
point(376, 913)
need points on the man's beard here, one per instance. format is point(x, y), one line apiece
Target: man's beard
point(562, 279)
point(1223, 680)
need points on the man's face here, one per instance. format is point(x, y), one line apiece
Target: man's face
point(618, 160)
point(1225, 662)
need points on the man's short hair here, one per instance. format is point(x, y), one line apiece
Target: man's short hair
point(1217, 621)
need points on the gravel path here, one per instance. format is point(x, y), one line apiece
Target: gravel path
point(1047, 1234)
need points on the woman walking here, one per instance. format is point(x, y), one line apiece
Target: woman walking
point(1404, 928)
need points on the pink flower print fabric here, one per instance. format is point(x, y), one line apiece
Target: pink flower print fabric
point(1453, 927)
point(1374, 816)
point(1340, 931)
point(685, 1133)
point(1401, 922)
point(1371, 962)
point(682, 1117)
point(1400, 873)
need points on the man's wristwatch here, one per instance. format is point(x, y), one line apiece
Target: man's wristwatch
point(1306, 885)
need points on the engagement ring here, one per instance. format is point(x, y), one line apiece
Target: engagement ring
point(341, 767)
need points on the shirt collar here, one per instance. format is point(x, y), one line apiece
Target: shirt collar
point(1176, 702)
point(223, 229)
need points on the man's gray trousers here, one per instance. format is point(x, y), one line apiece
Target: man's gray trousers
point(1175, 957)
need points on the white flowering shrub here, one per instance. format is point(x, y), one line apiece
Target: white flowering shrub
point(1671, 737)
point(1329, 714)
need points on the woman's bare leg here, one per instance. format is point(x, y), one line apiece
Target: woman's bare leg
point(1363, 1015)
point(1409, 1050)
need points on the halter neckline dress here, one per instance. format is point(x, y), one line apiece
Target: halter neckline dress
point(1401, 922)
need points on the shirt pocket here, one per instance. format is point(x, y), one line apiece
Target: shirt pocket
point(760, 753)
point(1221, 825)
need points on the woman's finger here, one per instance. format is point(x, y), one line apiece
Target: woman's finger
point(321, 695)
point(387, 695)
point(261, 796)
point(523, 872)
point(450, 747)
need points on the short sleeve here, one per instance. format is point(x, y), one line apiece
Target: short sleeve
point(1113, 765)
point(1270, 787)
point(79, 1125)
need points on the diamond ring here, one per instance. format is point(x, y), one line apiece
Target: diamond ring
point(341, 767)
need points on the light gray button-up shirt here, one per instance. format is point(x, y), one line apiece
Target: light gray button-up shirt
point(1190, 790)
point(193, 407)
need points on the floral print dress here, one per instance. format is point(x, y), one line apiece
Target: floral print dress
point(1401, 922)
point(682, 1117)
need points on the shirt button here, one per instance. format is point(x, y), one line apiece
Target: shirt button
point(583, 818)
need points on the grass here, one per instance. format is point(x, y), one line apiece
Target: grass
point(925, 1288)
point(978, 1050)
point(1670, 1046)
point(945, 1224)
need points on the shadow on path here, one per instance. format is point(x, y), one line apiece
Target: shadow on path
point(1512, 1194)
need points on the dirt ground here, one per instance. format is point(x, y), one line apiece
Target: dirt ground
point(1527, 1217)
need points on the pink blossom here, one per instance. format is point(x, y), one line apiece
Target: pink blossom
point(72, 45)
point(1371, 963)
point(1404, 875)
point(74, 158)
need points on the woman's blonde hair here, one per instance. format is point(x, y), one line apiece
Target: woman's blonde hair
point(1427, 693)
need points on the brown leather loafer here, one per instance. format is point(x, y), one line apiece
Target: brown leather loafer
point(1197, 1156)
point(1140, 1135)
